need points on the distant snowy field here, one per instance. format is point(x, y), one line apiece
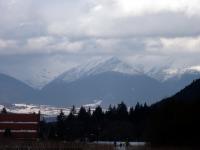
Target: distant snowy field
point(46, 111)
point(31, 108)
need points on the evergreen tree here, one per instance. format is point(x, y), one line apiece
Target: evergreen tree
point(122, 112)
point(111, 114)
point(98, 114)
point(137, 106)
point(73, 110)
point(72, 114)
point(61, 125)
point(83, 115)
point(89, 112)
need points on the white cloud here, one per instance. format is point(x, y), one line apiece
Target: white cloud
point(141, 7)
point(172, 46)
point(185, 44)
point(69, 47)
point(111, 18)
point(5, 44)
point(48, 44)
point(39, 43)
point(197, 68)
point(140, 31)
point(100, 18)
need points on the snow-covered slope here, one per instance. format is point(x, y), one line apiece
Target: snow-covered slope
point(180, 72)
point(96, 66)
point(99, 65)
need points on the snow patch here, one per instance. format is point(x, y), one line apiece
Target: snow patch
point(46, 111)
point(194, 68)
point(96, 66)
point(94, 105)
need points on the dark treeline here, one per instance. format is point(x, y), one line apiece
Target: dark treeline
point(168, 123)
point(114, 124)
point(172, 121)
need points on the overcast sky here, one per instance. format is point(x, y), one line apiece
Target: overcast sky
point(55, 35)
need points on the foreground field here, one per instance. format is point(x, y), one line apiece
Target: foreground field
point(21, 145)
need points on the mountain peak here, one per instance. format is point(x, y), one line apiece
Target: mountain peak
point(95, 66)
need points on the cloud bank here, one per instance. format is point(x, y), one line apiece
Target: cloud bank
point(66, 33)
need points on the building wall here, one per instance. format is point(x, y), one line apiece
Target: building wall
point(21, 126)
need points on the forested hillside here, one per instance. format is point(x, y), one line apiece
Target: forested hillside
point(172, 121)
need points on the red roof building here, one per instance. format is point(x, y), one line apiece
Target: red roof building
point(19, 126)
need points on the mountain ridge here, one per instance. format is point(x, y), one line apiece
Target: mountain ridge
point(99, 74)
point(13, 89)
point(111, 87)
point(97, 66)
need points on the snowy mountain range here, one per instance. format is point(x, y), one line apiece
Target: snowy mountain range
point(108, 79)
point(99, 65)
